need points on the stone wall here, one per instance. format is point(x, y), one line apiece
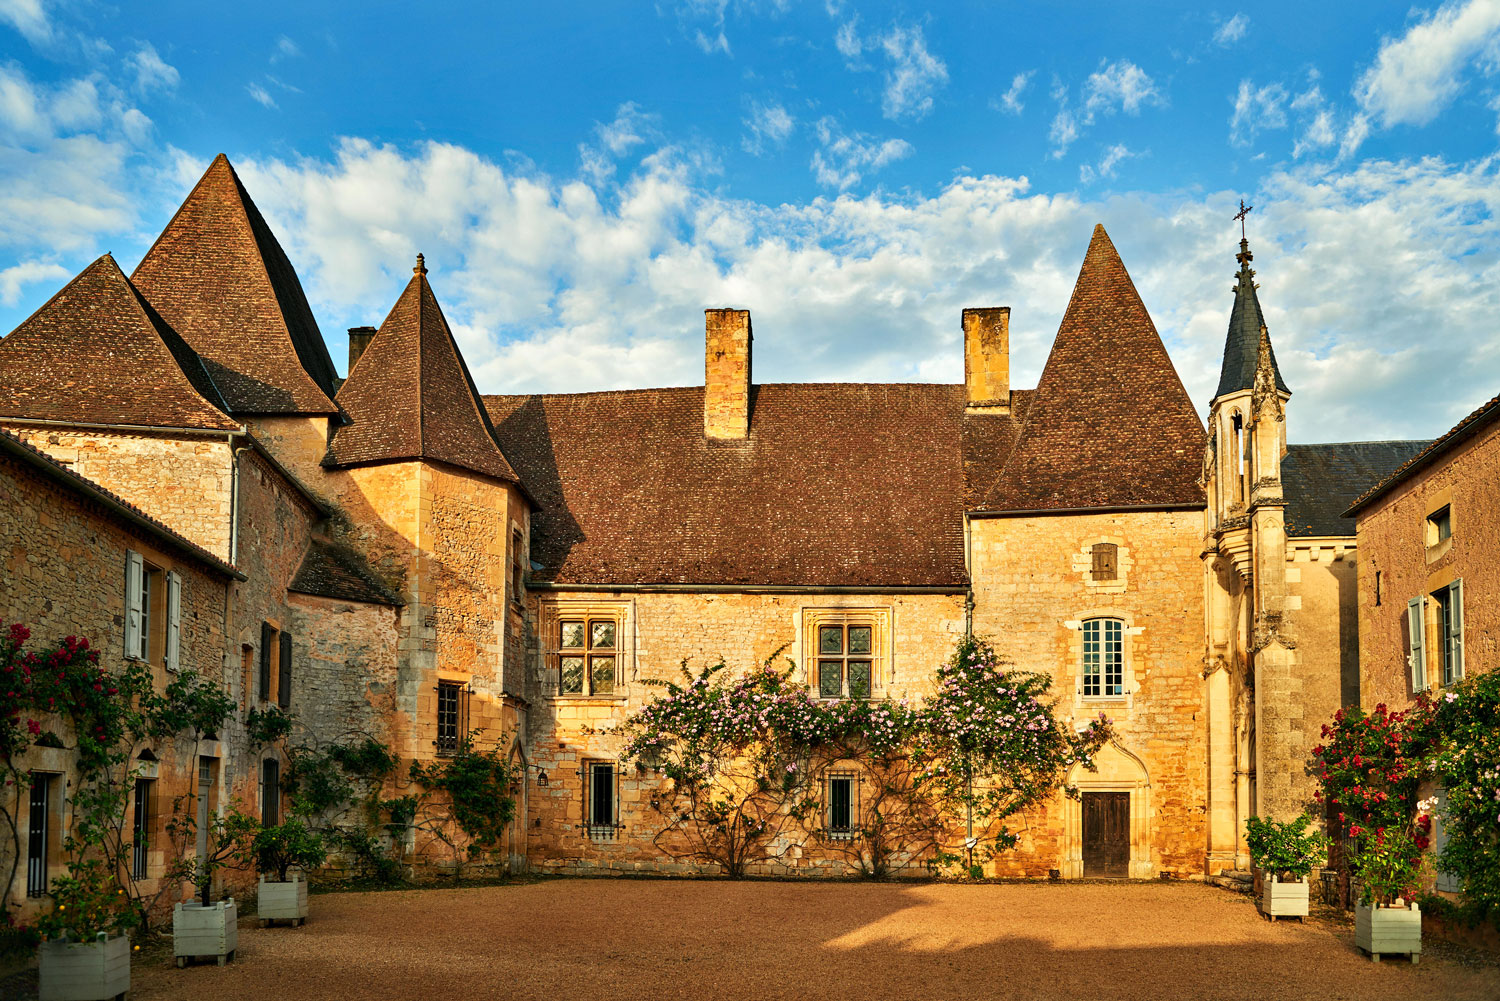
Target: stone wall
point(1032, 591)
point(184, 482)
point(1393, 543)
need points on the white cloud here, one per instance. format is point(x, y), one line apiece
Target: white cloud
point(1232, 30)
point(1415, 76)
point(151, 71)
point(630, 128)
point(30, 272)
point(260, 95)
point(847, 40)
point(1120, 86)
point(29, 17)
point(914, 74)
point(1111, 159)
point(285, 49)
point(1010, 101)
point(768, 124)
point(841, 159)
point(1257, 109)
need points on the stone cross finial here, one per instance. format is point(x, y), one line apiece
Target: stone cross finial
point(1244, 256)
point(420, 269)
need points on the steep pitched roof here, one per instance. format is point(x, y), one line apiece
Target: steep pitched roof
point(1109, 424)
point(1242, 344)
point(1488, 415)
point(329, 572)
point(410, 395)
point(841, 485)
point(1320, 481)
point(97, 353)
point(217, 274)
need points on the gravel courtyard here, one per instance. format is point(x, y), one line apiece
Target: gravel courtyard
point(602, 939)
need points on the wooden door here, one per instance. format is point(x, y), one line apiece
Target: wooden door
point(1106, 834)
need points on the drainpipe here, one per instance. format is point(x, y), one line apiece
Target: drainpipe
point(234, 494)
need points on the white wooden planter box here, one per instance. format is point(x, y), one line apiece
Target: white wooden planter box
point(1383, 931)
point(282, 901)
point(205, 931)
point(1283, 900)
point(84, 971)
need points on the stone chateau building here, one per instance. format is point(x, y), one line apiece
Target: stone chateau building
point(185, 479)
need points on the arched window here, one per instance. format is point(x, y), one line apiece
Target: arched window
point(1238, 423)
point(1103, 658)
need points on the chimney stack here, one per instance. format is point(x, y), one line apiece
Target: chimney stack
point(726, 389)
point(359, 339)
point(987, 359)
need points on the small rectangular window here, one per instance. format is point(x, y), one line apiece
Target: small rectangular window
point(38, 833)
point(450, 697)
point(1106, 557)
point(600, 808)
point(140, 844)
point(1103, 658)
point(517, 562)
point(1439, 525)
point(147, 585)
point(841, 805)
point(1377, 587)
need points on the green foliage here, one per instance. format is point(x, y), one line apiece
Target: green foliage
point(1285, 848)
point(228, 839)
point(275, 850)
point(16, 940)
point(371, 863)
point(366, 759)
point(478, 786)
point(190, 704)
point(87, 901)
point(1389, 863)
point(1467, 765)
point(267, 726)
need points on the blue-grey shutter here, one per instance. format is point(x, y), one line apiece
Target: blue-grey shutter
point(174, 620)
point(1456, 628)
point(1446, 881)
point(284, 674)
point(1416, 646)
point(134, 575)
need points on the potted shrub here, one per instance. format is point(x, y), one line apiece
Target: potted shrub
point(1285, 854)
point(205, 927)
point(85, 952)
point(1388, 861)
point(276, 851)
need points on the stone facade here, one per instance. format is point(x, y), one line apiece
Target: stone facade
point(1402, 560)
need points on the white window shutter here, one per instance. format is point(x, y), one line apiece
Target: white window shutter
point(174, 620)
point(1417, 650)
point(1456, 627)
point(134, 573)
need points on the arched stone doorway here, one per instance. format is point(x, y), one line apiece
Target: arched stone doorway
point(1117, 801)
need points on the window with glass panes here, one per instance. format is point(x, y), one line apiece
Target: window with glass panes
point(841, 788)
point(587, 656)
point(846, 653)
point(1103, 657)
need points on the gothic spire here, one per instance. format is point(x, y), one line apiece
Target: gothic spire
point(1242, 346)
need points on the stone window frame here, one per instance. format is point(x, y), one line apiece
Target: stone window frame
point(1083, 564)
point(1128, 633)
point(1435, 545)
point(881, 622)
point(587, 769)
point(153, 610)
point(842, 771)
point(551, 614)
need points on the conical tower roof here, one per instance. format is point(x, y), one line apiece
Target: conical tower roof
point(97, 353)
point(222, 281)
point(1109, 424)
point(410, 395)
point(1242, 345)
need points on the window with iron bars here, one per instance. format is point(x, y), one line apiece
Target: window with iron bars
point(452, 716)
point(602, 808)
point(38, 833)
point(843, 806)
point(140, 845)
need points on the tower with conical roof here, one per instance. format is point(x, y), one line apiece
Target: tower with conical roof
point(1252, 659)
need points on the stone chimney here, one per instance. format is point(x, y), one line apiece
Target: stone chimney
point(726, 379)
point(359, 339)
point(987, 359)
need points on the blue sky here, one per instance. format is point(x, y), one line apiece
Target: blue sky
point(584, 179)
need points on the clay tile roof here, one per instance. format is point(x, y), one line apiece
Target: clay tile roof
point(1487, 415)
point(410, 396)
point(1319, 481)
point(1242, 343)
point(334, 573)
point(82, 485)
point(219, 277)
point(1109, 424)
point(836, 486)
point(97, 353)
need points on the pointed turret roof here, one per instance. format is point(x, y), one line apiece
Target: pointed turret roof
point(1242, 346)
point(222, 281)
point(410, 395)
point(1109, 424)
point(97, 353)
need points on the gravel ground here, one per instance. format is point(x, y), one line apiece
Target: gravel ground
point(602, 939)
